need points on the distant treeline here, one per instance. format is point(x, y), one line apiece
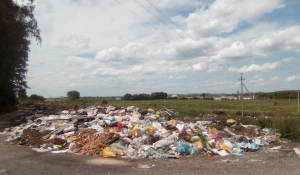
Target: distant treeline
point(292, 94)
point(152, 96)
point(277, 95)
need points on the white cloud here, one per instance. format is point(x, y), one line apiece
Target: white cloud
point(275, 79)
point(260, 82)
point(223, 16)
point(235, 51)
point(199, 67)
point(283, 40)
point(80, 76)
point(181, 77)
point(255, 67)
point(110, 72)
point(132, 52)
point(218, 83)
point(177, 4)
point(257, 76)
point(73, 41)
point(80, 62)
point(288, 60)
point(214, 68)
point(293, 78)
point(205, 66)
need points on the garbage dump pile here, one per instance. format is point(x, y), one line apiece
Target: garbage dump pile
point(136, 133)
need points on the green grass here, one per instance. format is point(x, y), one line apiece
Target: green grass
point(194, 108)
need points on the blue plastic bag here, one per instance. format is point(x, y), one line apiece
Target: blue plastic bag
point(184, 148)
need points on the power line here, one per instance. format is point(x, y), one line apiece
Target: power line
point(150, 24)
point(166, 24)
point(146, 21)
point(166, 17)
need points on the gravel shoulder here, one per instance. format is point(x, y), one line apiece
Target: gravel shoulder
point(22, 160)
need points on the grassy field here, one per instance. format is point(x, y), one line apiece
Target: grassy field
point(194, 108)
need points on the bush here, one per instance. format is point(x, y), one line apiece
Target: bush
point(73, 95)
point(239, 113)
point(265, 122)
point(104, 102)
point(37, 97)
point(288, 127)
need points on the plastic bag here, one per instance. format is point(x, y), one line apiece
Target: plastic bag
point(198, 145)
point(172, 122)
point(184, 148)
point(73, 138)
point(119, 149)
point(143, 166)
point(108, 152)
point(150, 129)
point(230, 121)
point(151, 110)
point(225, 147)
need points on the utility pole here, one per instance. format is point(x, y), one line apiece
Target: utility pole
point(298, 100)
point(242, 99)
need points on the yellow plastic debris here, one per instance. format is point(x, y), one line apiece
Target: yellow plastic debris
point(112, 130)
point(73, 138)
point(135, 132)
point(225, 147)
point(135, 113)
point(136, 126)
point(199, 144)
point(171, 122)
point(58, 146)
point(52, 136)
point(187, 137)
point(213, 131)
point(151, 110)
point(230, 121)
point(150, 129)
point(108, 152)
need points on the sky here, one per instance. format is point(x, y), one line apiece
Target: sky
point(114, 47)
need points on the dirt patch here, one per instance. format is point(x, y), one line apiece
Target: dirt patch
point(90, 142)
point(33, 138)
point(240, 130)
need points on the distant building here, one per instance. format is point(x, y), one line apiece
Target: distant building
point(225, 98)
point(118, 98)
point(247, 97)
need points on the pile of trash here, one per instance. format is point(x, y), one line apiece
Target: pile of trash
point(136, 133)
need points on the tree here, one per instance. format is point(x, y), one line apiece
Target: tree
point(22, 95)
point(17, 27)
point(73, 95)
point(36, 97)
point(203, 95)
point(159, 95)
point(127, 97)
